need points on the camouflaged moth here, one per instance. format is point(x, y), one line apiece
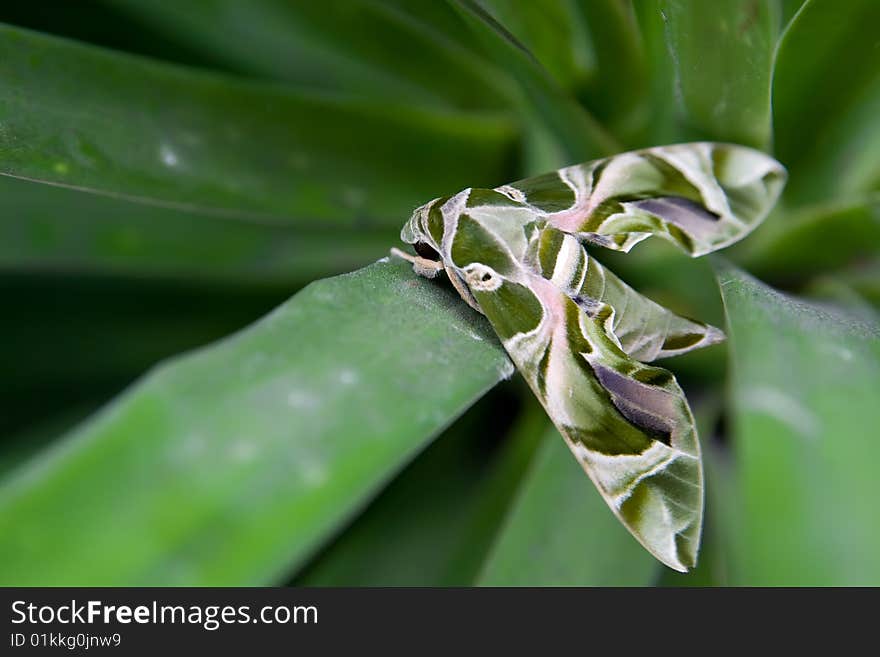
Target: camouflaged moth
point(578, 334)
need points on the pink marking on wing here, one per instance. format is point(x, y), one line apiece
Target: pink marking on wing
point(553, 300)
point(571, 220)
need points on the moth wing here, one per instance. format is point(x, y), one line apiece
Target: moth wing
point(645, 330)
point(701, 196)
point(628, 424)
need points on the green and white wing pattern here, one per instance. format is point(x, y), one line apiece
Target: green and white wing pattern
point(578, 334)
point(645, 330)
point(701, 196)
point(628, 424)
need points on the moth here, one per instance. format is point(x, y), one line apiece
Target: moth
point(580, 336)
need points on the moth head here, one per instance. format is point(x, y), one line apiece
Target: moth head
point(424, 230)
point(476, 235)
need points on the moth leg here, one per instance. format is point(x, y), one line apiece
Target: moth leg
point(431, 269)
point(422, 266)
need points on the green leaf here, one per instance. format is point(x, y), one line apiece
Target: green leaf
point(617, 94)
point(553, 32)
point(815, 239)
point(577, 134)
point(591, 48)
point(48, 229)
point(95, 22)
point(231, 465)
point(722, 53)
point(342, 45)
point(804, 396)
point(843, 296)
point(560, 532)
point(827, 83)
point(663, 126)
point(434, 523)
point(864, 278)
point(123, 126)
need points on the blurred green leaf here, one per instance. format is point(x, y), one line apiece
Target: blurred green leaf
point(95, 22)
point(722, 53)
point(553, 32)
point(864, 278)
point(231, 465)
point(94, 330)
point(665, 125)
point(826, 100)
point(815, 239)
point(617, 93)
point(591, 48)
point(843, 296)
point(804, 398)
point(341, 45)
point(123, 126)
point(48, 229)
point(577, 135)
point(560, 532)
point(433, 525)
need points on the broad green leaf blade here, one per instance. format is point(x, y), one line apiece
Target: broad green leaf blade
point(231, 465)
point(827, 82)
point(804, 393)
point(344, 45)
point(433, 525)
point(664, 126)
point(119, 125)
point(815, 239)
point(722, 53)
point(560, 532)
point(577, 134)
point(48, 229)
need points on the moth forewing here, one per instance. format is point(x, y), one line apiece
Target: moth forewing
point(635, 440)
point(701, 196)
point(577, 333)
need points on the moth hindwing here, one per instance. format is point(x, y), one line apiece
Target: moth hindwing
point(579, 335)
